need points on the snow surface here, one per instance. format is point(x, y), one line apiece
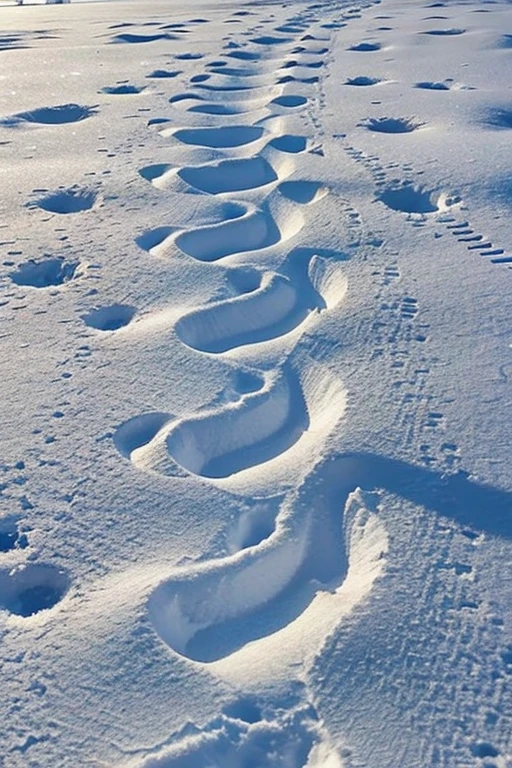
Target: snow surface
point(256, 345)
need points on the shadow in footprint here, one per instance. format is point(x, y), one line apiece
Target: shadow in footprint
point(139, 431)
point(444, 32)
point(500, 118)
point(290, 143)
point(124, 89)
point(163, 74)
point(289, 101)
point(411, 199)
point(318, 558)
point(220, 138)
point(109, 318)
point(362, 80)
point(365, 47)
point(431, 85)
point(32, 588)
point(59, 115)
point(10, 536)
point(66, 201)
point(43, 274)
point(392, 124)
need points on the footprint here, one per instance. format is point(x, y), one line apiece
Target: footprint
point(392, 124)
point(269, 40)
point(71, 200)
point(10, 535)
point(189, 56)
point(289, 101)
point(241, 737)
point(244, 55)
point(255, 229)
point(109, 318)
point(259, 443)
point(139, 431)
point(411, 199)
point(303, 64)
point(29, 589)
point(125, 89)
point(277, 305)
point(505, 41)
point(303, 192)
point(235, 72)
point(243, 103)
point(291, 79)
point(366, 47)
point(134, 39)
point(218, 178)
point(225, 137)
point(290, 143)
point(43, 274)
point(444, 32)
point(499, 118)
point(432, 85)
point(162, 74)
point(290, 737)
point(59, 115)
point(362, 80)
point(302, 563)
point(230, 175)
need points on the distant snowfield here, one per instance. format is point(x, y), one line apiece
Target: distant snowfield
point(256, 344)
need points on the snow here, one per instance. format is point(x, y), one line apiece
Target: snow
point(256, 344)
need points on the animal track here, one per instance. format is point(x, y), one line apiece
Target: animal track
point(71, 200)
point(43, 274)
point(31, 588)
point(476, 242)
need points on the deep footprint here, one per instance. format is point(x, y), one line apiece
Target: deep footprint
point(32, 588)
point(225, 137)
point(392, 124)
point(43, 274)
point(109, 318)
point(278, 304)
point(65, 201)
point(254, 230)
point(59, 115)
